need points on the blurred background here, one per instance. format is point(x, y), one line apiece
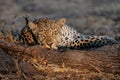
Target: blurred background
point(87, 16)
point(58, 8)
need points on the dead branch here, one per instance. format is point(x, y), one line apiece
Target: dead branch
point(105, 59)
point(19, 48)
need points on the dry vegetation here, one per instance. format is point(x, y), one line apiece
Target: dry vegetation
point(36, 63)
point(21, 62)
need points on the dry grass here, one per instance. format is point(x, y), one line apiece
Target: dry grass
point(54, 65)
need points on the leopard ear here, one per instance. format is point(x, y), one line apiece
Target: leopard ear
point(32, 25)
point(61, 21)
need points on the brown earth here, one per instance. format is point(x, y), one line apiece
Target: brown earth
point(93, 17)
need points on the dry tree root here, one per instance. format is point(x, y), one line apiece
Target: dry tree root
point(100, 61)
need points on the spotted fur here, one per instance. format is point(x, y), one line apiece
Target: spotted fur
point(54, 34)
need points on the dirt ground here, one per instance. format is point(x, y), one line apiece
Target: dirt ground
point(93, 17)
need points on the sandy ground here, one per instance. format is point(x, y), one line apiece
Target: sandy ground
point(93, 17)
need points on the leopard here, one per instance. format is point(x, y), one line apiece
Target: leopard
point(55, 34)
